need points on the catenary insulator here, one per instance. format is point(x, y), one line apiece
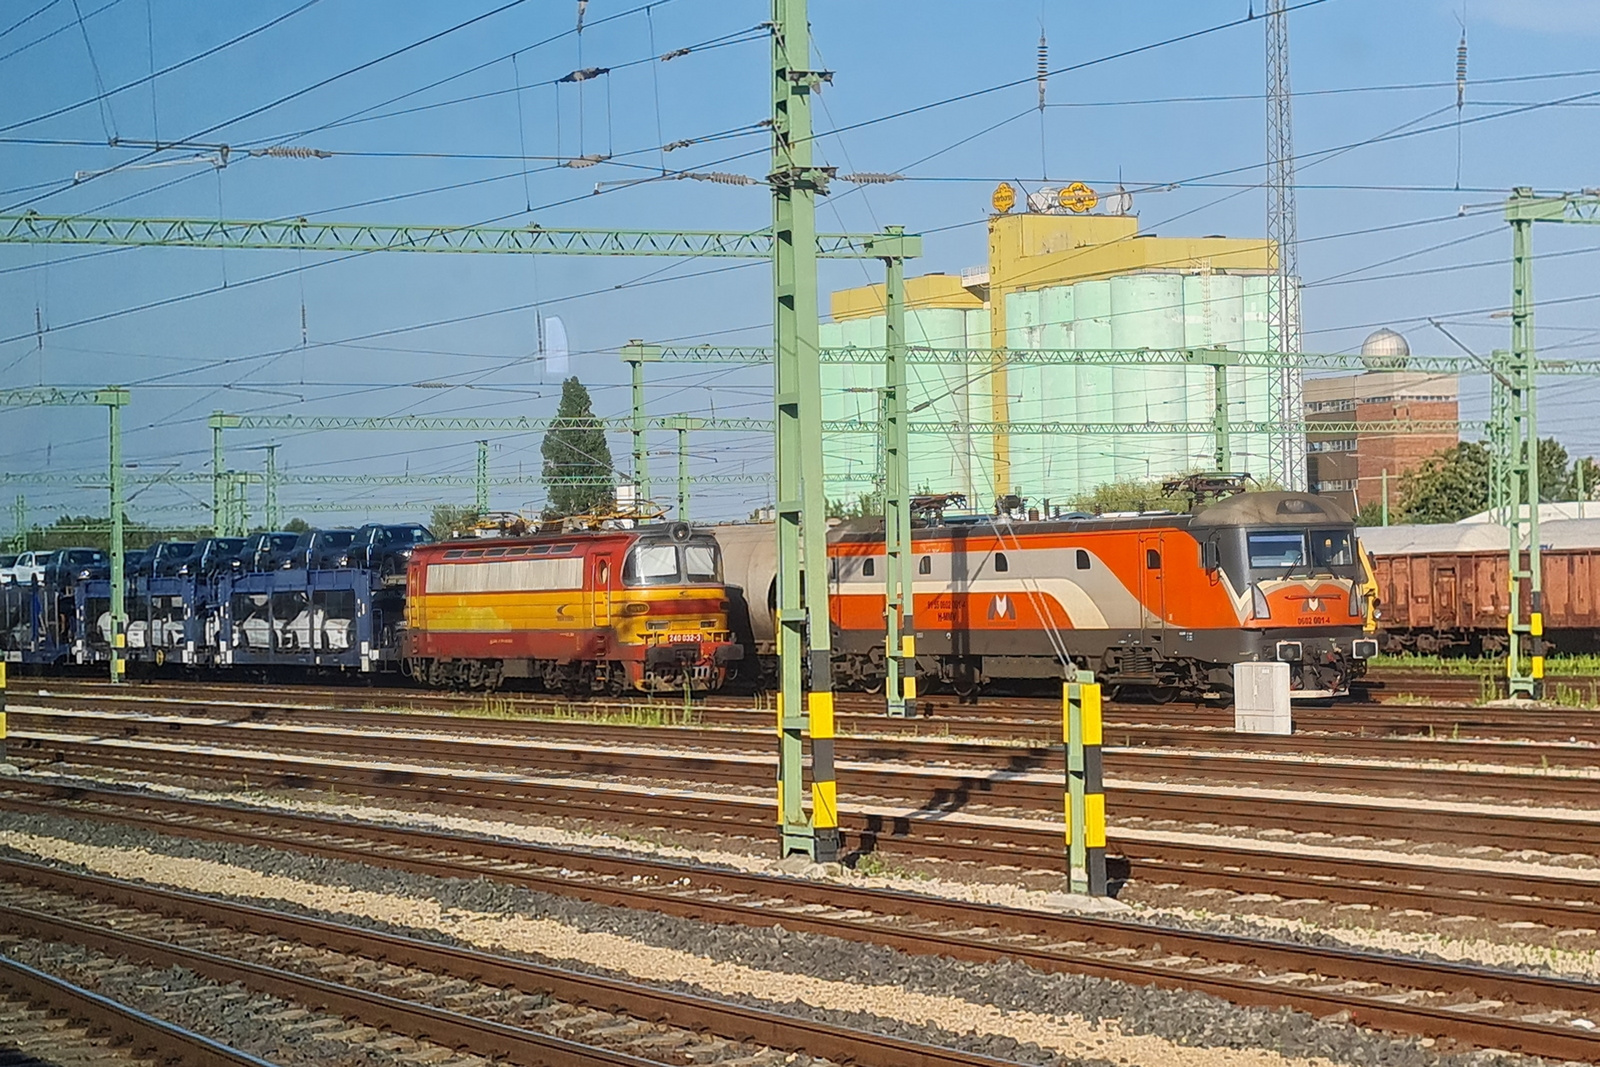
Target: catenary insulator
point(1044, 67)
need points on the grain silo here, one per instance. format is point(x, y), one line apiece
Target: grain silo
point(1063, 281)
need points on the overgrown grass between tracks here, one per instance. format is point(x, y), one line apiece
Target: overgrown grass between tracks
point(1485, 667)
point(662, 714)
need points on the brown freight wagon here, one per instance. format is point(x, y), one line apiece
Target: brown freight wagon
point(1440, 600)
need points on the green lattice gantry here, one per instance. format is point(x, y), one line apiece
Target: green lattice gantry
point(301, 235)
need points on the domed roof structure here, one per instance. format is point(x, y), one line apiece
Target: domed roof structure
point(1385, 350)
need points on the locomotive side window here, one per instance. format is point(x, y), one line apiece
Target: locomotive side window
point(1001, 564)
point(700, 563)
point(1277, 548)
point(868, 568)
point(925, 565)
point(1083, 560)
point(651, 565)
point(1152, 559)
point(1331, 548)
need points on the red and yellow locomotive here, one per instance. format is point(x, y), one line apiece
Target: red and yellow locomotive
point(602, 611)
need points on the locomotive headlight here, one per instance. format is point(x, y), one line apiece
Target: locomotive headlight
point(1258, 603)
point(344, 561)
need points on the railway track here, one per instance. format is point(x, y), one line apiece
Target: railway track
point(1019, 718)
point(45, 1020)
point(1369, 877)
point(1001, 782)
point(1308, 761)
point(1467, 1004)
point(455, 997)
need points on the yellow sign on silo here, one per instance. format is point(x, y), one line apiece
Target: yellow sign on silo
point(1004, 198)
point(1078, 197)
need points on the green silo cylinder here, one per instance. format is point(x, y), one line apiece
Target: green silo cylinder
point(1091, 329)
point(1147, 312)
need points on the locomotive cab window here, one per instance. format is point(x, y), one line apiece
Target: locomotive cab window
point(1271, 549)
point(868, 567)
point(672, 564)
point(651, 565)
point(925, 565)
point(1331, 548)
point(1001, 565)
point(1152, 559)
point(1082, 560)
point(701, 563)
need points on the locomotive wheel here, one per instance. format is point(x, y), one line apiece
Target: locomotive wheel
point(964, 680)
point(617, 683)
point(1162, 694)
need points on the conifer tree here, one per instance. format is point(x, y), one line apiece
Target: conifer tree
point(577, 458)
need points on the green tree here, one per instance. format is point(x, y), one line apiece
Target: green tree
point(1371, 514)
point(296, 525)
point(577, 458)
point(867, 504)
point(1588, 486)
point(1129, 496)
point(1447, 486)
point(1556, 481)
point(1454, 483)
point(94, 531)
point(448, 520)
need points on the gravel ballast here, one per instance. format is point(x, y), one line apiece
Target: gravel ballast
point(1004, 1003)
point(274, 1029)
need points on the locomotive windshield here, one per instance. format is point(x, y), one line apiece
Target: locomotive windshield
point(673, 565)
point(1277, 548)
point(1286, 549)
point(1331, 548)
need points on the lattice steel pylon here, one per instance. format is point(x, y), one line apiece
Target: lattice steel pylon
point(1515, 490)
point(1286, 451)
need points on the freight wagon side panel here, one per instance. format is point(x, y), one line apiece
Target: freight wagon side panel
point(1444, 592)
point(1569, 588)
point(1404, 606)
point(1490, 569)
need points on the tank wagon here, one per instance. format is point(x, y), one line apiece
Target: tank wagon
point(1445, 588)
point(1157, 604)
point(607, 611)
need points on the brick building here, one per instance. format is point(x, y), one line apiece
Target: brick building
point(1350, 466)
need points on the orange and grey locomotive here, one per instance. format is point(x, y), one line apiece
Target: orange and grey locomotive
point(1157, 604)
point(603, 611)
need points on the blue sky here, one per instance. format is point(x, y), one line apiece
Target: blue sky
point(377, 327)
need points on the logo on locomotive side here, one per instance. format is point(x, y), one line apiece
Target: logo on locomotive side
point(1001, 608)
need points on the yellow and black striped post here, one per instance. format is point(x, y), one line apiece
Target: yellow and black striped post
point(1086, 795)
point(1536, 644)
point(824, 784)
point(2, 711)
